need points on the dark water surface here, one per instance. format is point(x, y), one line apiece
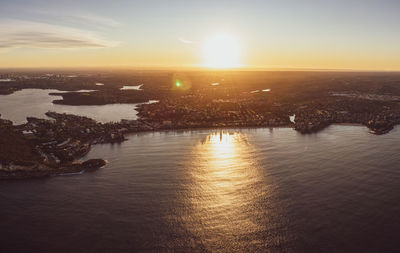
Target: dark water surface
point(248, 190)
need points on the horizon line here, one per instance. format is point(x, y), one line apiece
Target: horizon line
point(198, 68)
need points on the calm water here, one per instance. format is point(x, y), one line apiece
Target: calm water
point(248, 190)
point(36, 102)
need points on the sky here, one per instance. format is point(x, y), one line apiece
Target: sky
point(307, 34)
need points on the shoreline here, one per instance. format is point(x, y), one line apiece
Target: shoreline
point(79, 166)
point(17, 172)
point(240, 128)
point(65, 138)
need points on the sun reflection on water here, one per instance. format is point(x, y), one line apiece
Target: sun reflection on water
point(227, 194)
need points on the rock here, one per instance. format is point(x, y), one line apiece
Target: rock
point(93, 164)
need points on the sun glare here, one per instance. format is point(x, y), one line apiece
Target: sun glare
point(222, 51)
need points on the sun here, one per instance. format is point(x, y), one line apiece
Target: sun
point(222, 51)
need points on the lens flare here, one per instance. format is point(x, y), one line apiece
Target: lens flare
point(180, 82)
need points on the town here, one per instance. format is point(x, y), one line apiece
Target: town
point(305, 102)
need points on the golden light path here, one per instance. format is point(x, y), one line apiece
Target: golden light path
point(227, 194)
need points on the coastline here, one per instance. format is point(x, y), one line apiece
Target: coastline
point(77, 166)
point(65, 138)
point(349, 124)
point(15, 172)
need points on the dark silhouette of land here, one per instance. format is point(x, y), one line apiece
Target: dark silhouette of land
point(306, 101)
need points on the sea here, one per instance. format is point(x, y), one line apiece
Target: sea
point(211, 190)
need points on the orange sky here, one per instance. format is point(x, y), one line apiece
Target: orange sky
point(153, 34)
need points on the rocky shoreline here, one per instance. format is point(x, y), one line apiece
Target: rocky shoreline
point(27, 170)
point(42, 148)
point(52, 146)
point(60, 142)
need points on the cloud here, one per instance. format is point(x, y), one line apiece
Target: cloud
point(96, 20)
point(18, 34)
point(77, 17)
point(185, 41)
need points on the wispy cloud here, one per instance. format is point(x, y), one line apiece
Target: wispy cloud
point(17, 34)
point(77, 18)
point(185, 41)
point(95, 19)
